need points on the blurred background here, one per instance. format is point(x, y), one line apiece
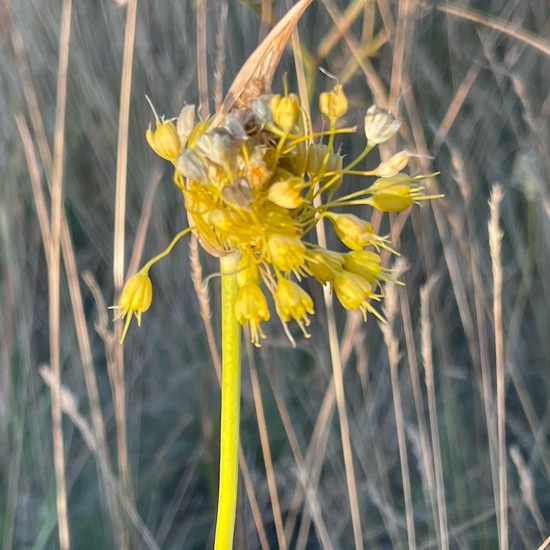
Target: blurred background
point(446, 406)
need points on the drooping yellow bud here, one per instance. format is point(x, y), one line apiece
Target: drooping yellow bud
point(354, 232)
point(135, 299)
point(251, 307)
point(164, 140)
point(380, 125)
point(354, 292)
point(366, 264)
point(293, 302)
point(285, 111)
point(333, 104)
point(324, 264)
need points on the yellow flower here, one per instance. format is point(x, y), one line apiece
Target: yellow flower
point(393, 194)
point(366, 264)
point(293, 302)
point(354, 232)
point(333, 104)
point(247, 271)
point(285, 111)
point(287, 193)
point(251, 307)
point(324, 264)
point(354, 292)
point(164, 140)
point(135, 299)
point(286, 253)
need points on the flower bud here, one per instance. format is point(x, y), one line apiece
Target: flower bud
point(185, 123)
point(293, 302)
point(354, 232)
point(164, 140)
point(287, 193)
point(393, 165)
point(286, 253)
point(317, 153)
point(285, 111)
point(393, 194)
point(324, 264)
point(238, 194)
point(247, 271)
point(316, 156)
point(135, 299)
point(191, 166)
point(354, 292)
point(258, 173)
point(234, 128)
point(215, 146)
point(251, 307)
point(261, 110)
point(380, 125)
point(334, 164)
point(333, 104)
point(364, 263)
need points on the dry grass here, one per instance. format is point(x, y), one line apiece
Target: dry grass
point(431, 432)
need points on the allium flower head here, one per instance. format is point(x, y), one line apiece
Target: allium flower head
point(255, 181)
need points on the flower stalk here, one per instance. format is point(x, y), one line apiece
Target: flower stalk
point(230, 405)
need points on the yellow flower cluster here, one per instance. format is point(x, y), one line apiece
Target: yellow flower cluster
point(260, 182)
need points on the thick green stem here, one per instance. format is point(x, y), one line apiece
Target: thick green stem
point(231, 396)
